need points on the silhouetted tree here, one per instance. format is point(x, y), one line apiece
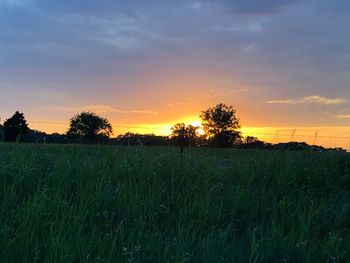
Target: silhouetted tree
point(35, 136)
point(15, 128)
point(87, 127)
point(130, 138)
point(56, 138)
point(221, 125)
point(185, 135)
point(251, 142)
point(1, 133)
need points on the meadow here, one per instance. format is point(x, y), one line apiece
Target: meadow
point(98, 203)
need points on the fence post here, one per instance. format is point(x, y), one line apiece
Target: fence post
point(182, 142)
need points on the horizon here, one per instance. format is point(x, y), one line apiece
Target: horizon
point(283, 65)
point(322, 136)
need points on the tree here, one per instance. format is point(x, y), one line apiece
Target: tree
point(1, 133)
point(87, 127)
point(130, 138)
point(184, 135)
point(221, 125)
point(251, 142)
point(15, 128)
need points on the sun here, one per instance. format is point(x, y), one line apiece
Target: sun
point(197, 123)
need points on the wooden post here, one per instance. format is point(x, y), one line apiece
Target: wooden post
point(182, 142)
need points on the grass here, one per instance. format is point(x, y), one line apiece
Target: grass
point(137, 204)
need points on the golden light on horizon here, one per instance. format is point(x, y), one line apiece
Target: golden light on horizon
point(327, 136)
point(162, 129)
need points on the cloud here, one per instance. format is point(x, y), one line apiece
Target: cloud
point(15, 3)
point(254, 27)
point(110, 7)
point(310, 100)
point(255, 7)
point(136, 48)
point(343, 117)
point(101, 109)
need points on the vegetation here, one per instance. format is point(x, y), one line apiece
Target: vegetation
point(1, 132)
point(88, 127)
point(15, 128)
point(184, 135)
point(221, 125)
point(134, 204)
point(132, 139)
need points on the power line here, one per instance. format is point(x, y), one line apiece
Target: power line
point(138, 127)
point(114, 126)
point(300, 135)
point(49, 122)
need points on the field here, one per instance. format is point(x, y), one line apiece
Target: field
point(137, 204)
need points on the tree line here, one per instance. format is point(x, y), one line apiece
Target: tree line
point(220, 125)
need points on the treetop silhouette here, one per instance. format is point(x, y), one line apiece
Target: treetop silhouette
point(15, 128)
point(221, 125)
point(88, 127)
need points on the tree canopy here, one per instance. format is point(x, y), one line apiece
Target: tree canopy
point(221, 125)
point(88, 127)
point(15, 128)
point(183, 134)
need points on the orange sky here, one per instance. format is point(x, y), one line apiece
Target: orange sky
point(329, 137)
point(281, 64)
point(165, 101)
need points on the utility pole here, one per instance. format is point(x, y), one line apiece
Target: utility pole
point(316, 135)
point(293, 133)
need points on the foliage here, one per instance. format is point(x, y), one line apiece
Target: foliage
point(15, 128)
point(221, 125)
point(35, 136)
point(1, 132)
point(140, 139)
point(185, 135)
point(251, 139)
point(251, 142)
point(76, 203)
point(89, 128)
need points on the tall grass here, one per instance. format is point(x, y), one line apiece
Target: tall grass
point(136, 204)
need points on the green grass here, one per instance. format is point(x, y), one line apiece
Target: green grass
point(137, 204)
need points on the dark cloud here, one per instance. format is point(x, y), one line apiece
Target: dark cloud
point(255, 7)
point(107, 7)
point(301, 49)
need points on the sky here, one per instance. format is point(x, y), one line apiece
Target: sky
point(283, 64)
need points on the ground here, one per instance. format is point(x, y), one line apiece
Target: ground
point(71, 203)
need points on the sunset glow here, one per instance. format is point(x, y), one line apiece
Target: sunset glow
point(119, 61)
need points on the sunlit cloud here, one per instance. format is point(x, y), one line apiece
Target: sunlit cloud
point(310, 100)
point(101, 109)
point(343, 117)
point(138, 58)
point(174, 104)
point(224, 93)
point(179, 103)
